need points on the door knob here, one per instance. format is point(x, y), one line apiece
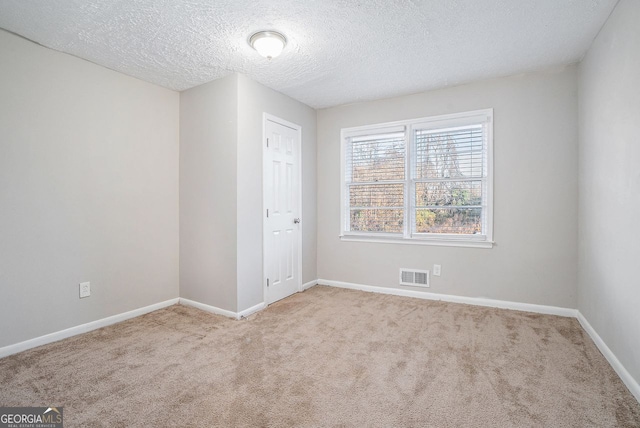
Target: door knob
point(296, 220)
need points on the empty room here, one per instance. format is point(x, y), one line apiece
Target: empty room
point(383, 213)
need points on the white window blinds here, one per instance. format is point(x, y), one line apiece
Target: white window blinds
point(422, 179)
point(375, 182)
point(450, 180)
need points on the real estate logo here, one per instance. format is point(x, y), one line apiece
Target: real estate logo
point(31, 417)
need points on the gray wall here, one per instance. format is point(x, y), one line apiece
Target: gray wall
point(221, 189)
point(609, 177)
point(253, 100)
point(208, 225)
point(535, 187)
point(88, 191)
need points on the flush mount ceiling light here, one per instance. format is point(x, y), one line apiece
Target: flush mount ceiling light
point(269, 44)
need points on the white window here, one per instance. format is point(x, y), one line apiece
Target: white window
point(422, 181)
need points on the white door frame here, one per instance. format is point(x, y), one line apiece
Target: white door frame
point(265, 118)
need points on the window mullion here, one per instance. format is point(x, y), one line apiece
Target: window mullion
point(408, 176)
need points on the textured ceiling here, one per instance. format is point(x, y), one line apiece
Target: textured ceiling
point(339, 51)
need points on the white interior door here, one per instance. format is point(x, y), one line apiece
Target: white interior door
point(282, 194)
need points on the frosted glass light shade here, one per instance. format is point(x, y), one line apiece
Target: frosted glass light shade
point(269, 44)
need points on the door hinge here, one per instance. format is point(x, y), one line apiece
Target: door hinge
point(267, 212)
point(267, 282)
point(267, 143)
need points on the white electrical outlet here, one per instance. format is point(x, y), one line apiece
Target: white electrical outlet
point(436, 270)
point(85, 289)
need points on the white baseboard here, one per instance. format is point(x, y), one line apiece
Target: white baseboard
point(477, 301)
point(626, 377)
point(223, 312)
point(251, 310)
point(104, 322)
point(236, 315)
point(83, 328)
point(208, 308)
point(308, 285)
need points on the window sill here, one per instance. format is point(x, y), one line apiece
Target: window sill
point(418, 241)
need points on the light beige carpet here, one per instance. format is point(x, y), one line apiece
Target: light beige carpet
point(327, 357)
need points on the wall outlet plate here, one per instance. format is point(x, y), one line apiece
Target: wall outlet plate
point(85, 289)
point(436, 270)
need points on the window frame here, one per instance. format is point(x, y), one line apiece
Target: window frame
point(485, 117)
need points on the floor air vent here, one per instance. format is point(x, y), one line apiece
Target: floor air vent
point(415, 278)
